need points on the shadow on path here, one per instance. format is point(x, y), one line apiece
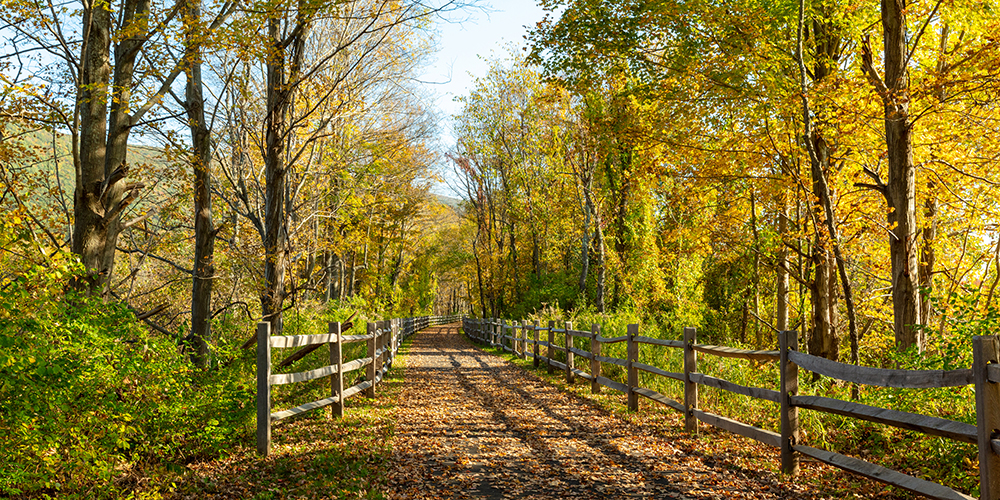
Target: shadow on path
point(471, 425)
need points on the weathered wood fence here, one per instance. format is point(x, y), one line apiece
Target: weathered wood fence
point(985, 374)
point(383, 339)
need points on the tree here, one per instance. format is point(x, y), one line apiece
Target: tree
point(900, 188)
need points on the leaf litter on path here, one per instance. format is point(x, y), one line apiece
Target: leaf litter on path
point(470, 424)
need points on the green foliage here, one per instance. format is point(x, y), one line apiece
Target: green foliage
point(557, 288)
point(87, 394)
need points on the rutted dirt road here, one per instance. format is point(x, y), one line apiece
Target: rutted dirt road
point(471, 425)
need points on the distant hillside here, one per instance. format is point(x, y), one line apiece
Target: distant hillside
point(49, 178)
point(448, 201)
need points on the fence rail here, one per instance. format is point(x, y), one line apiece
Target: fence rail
point(383, 341)
point(984, 374)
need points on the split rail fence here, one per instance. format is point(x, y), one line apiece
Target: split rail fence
point(985, 375)
point(383, 340)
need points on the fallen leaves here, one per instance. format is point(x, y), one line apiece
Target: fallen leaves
point(473, 425)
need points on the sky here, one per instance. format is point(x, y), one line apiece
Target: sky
point(464, 51)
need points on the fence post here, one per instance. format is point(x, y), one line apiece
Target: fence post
point(503, 334)
point(690, 388)
point(568, 342)
point(552, 338)
point(263, 388)
point(632, 357)
point(494, 333)
point(788, 340)
point(384, 346)
point(395, 337)
point(986, 351)
point(524, 340)
point(370, 369)
point(515, 340)
point(534, 347)
point(519, 331)
point(337, 379)
point(595, 351)
point(383, 337)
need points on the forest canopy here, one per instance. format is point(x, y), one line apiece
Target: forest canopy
point(744, 167)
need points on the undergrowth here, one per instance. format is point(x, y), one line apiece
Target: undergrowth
point(95, 405)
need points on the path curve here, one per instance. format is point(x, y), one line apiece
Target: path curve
point(471, 425)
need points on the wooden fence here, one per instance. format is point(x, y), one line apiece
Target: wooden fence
point(383, 339)
point(985, 374)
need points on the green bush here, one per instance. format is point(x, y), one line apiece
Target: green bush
point(89, 396)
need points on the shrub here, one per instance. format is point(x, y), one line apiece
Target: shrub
point(88, 395)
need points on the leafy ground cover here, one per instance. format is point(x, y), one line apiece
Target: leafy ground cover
point(312, 456)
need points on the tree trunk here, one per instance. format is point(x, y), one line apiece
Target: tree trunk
point(204, 231)
point(823, 341)
point(900, 189)
point(928, 258)
point(585, 245)
point(828, 46)
point(275, 173)
point(601, 262)
point(824, 286)
point(354, 273)
point(135, 22)
point(328, 276)
point(89, 233)
point(536, 253)
point(758, 341)
point(781, 299)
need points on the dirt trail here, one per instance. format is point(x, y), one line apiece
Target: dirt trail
point(471, 425)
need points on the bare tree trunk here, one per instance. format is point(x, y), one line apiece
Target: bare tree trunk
point(900, 189)
point(204, 231)
point(828, 45)
point(834, 294)
point(744, 320)
point(823, 341)
point(328, 276)
point(585, 246)
point(927, 259)
point(354, 273)
point(758, 341)
point(89, 233)
point(275, 173)
point(781, 299)
point(341, 277)
point(479, 276)
point(517, 288)
point(135, 20)
point(601, 262)
point(536, 253)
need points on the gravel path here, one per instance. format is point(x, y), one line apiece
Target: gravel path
point(471, 425)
